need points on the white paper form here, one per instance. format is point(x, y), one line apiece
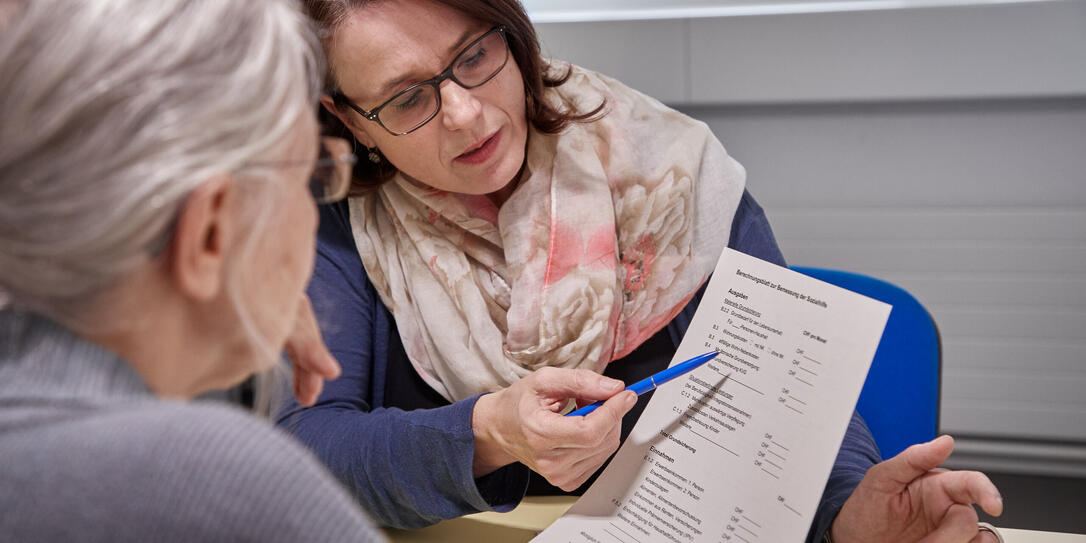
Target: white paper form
point(740, 449)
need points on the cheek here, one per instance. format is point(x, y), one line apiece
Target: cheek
point(306, 213)
point(513, 92)
point(417, 155)
point(283, 265)
point(299, 237)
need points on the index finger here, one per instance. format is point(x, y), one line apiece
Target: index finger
point(574, 383)
point(588, 430)
point(969, 487)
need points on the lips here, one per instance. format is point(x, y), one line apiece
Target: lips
point(480, 152)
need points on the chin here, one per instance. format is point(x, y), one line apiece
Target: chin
point(260, 356)
point(508, 171)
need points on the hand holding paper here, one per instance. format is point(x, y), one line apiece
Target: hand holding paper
point(740, 448)
point(905, 499)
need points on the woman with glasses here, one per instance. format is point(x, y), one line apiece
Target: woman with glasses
point(516, 227)
point(157, 228)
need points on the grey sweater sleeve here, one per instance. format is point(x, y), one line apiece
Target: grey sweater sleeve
point(248, 480)
point(171, 471)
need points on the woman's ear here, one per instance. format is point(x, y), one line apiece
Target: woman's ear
point(350, 119)
point(203, 238)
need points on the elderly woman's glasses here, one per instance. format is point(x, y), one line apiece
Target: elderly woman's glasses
point(331, 178)
point(414, 106)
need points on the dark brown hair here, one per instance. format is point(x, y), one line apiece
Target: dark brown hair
point(523, 45)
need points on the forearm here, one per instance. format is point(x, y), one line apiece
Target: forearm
point(407, 468)
point(857, 454)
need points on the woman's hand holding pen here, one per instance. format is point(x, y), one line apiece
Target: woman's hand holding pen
point(522, 423)
point(518, 424)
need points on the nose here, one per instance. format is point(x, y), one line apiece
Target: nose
point(459, 107)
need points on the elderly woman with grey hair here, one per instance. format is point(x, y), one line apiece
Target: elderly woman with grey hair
point(157, 224)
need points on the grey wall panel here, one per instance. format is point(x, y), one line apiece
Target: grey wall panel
point(982, 51)
point(937, 256)
point(1039, 405)
point(1011, 223)
point(924, 50)
point(1019, 419)
point(937, 154)
point(996, 289)
point(986, 353)
point(1034, 323)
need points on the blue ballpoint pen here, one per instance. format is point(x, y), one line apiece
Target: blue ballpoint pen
point(653, 381)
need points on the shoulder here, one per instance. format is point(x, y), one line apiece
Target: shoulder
point(334, 233)
point(752, 234)
point(338, 273)
point(185, 470)
point(252, 477)
point(214, 429)
point(200, 443)
point(749, 211)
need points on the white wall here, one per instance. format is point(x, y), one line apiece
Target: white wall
point(941, 148)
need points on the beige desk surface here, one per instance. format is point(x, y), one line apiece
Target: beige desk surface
point(536, 513)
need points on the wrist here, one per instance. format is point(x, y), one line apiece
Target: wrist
point(490, 455)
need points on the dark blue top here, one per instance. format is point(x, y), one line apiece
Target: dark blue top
point(406, 454)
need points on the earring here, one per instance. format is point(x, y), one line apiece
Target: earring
point(373, 156)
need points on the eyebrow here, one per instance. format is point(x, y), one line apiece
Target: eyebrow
point(453, 50)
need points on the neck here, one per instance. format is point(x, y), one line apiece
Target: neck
point(500, 196)
point(160, 335)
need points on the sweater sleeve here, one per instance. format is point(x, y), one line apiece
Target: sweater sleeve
point(752, 235)
point(245, 481)
point(138, 469)
point(407, 468)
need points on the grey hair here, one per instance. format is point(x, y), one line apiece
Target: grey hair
point(113, 111)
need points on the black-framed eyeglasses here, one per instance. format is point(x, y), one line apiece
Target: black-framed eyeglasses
point(416, 105)
point(331, 178)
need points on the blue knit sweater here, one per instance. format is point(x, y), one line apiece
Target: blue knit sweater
point(411, 468)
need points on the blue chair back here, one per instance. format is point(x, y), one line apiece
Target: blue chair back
point(900, 399)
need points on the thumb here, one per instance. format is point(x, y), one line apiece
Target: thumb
point(897, 472)
point(305, 346)
point(309, 354)
point(579, 383)
point(612, 411)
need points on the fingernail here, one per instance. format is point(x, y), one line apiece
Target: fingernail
point(631, 399)
point(611, 384)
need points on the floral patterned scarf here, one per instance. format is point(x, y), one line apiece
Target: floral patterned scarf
point(614, 226)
